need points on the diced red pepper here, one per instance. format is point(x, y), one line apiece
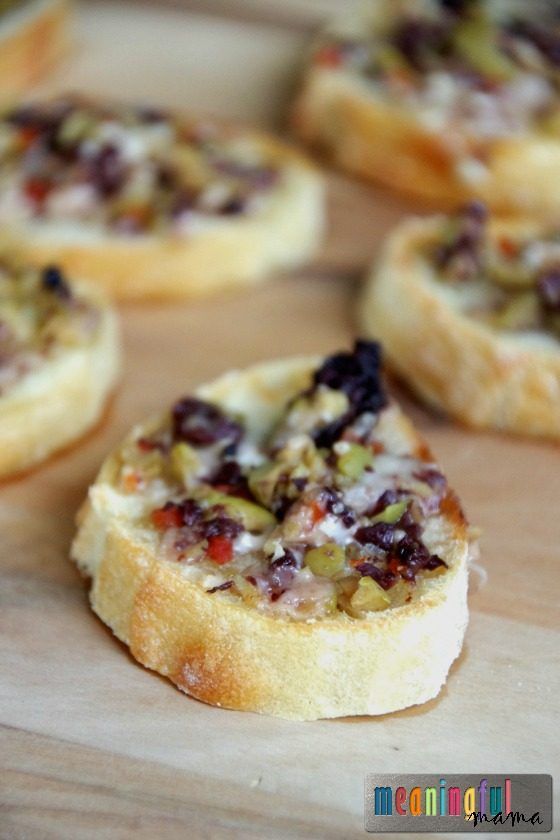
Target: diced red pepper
point(220, 550)
point(147, 445)
point(329, 56)
point(169, 516)
point(508, 247)
point(27, 135)
point(317, 512)
point(393, 565)
point(36, 190)
point(131, 481)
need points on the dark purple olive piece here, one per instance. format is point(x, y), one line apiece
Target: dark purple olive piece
point(357, 374)
point(227, 584)
point(419, 39)
point(383, 577)
point(462, 256)
point(281, 573)
point(459, 7)
point(548, 288)
point(148, 115)
point(222, 526)
point(202, 424)
point(334, 504)
point(192, 512)
point(389, 497)
point(433, 478)
point(233, 207)
point(381, 534)
point(53, 280)
point(107, 171)
point(230, 478)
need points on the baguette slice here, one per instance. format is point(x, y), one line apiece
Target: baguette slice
point(264, 635)
point(33, 36)
point(478, 334)
point(152, 205)
point(490, 131)
point(59, 361)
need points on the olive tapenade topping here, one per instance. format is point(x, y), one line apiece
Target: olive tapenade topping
point(39, 314)
point(492, 70)
point(520, 278)
point(281, 516)
point(130, 169)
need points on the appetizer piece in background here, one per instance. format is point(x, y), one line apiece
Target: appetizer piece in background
point(469, 312)
point(59, 359)
point(151, 205)
point(445, 101)
point(282, 542)
point(33, 36)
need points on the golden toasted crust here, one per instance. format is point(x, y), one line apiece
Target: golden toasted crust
point(32, 38)
point(49, 408)
point(225, 653)
point(484, 378)
point(234, 251)
point(383, 142)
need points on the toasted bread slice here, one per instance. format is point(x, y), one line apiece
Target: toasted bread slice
point(469, 319)
point(150, 205)
point(275, 601)
point(59, 360)
point(381, 100)
point(33, 36)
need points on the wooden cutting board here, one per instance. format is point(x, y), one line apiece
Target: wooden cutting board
point(94, 746)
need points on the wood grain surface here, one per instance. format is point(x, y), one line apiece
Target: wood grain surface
point(94, 746)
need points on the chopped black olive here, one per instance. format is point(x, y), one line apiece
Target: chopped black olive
point(53, 280)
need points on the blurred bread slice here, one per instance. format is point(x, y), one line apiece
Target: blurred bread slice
point(33, 35)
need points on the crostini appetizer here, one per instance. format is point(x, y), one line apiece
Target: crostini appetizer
point(59, 359)
point(33, 36)
point(282, 542)
point(469, 312)
point(445, 100)
point(150, 205)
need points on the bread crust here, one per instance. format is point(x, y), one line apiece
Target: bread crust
point(31, 40)
point(236, 251)
point(220, 651)
point(482, 377)
point(51, 407)
point(384, 143)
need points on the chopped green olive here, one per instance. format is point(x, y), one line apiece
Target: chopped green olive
point(326, 560)
point(551, 123)
point(474, 41)
point(331, 604)
point(369, 597)
point(354, 461)
point(184, 461)
point(388, 59)
point(512, 275)
point(75, 127)
point(521, 313)
point(254, 517)
point(262, 481)
point(391, 514)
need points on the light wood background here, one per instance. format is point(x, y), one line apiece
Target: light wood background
point(94, 746)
